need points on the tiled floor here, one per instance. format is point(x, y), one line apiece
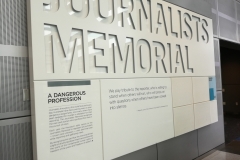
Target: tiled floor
point(220, 155)
point(232, 127)
point(229, 151)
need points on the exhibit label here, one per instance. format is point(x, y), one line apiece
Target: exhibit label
point(67, 121)
point(136, 113)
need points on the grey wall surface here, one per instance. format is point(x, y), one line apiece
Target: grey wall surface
point(149, 153)
point(13, 26)
point(13, 79)
point(184, 147)
point(15, 133)
point(198, 6)
point(229, 20)
point(218, 64)
point(16, 139)
point(15, 121)
point(14, 69)
point(214, 5)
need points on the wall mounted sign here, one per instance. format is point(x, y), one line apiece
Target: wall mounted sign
point(148, 64)
point(136, 113)
point(68, 123)
point(82, 39)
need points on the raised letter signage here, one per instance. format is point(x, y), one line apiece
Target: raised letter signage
point(110, 77)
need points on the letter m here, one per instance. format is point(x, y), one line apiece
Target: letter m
point(63, 49)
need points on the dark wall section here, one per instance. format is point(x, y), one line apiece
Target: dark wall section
point(149, 153)
point(230, 58)
point(230, 66)
point(184, 147)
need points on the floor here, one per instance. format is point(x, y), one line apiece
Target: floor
point(220, 155)
point(232, 127)
point(231, 149)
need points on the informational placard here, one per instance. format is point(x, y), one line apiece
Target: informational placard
point(67, 120)
point(148, 64)
point(136, 113)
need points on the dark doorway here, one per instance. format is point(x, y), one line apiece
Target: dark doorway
point(230, 63)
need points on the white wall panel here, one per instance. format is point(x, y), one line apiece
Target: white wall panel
point(200, 89)
point(212, 136)
point(214, 111)
point(202, 114)
point(182, 91)
point(183, 120)
point(133, 122)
